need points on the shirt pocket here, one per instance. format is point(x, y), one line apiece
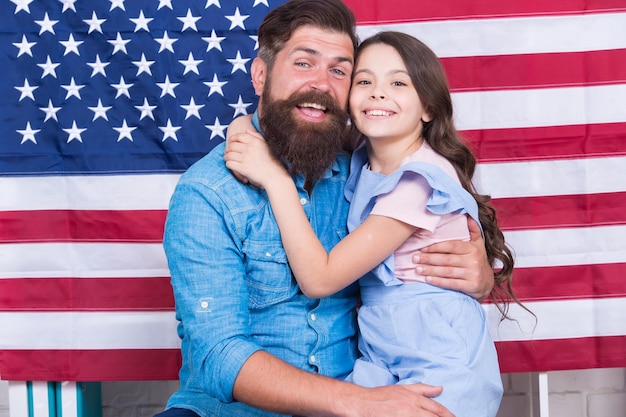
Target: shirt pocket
point(268, 275)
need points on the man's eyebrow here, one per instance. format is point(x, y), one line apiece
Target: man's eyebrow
point(315, 52)
point(347, 59)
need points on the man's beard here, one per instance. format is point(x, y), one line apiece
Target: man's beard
point(306, 148)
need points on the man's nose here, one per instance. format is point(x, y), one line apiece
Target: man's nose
point(320, 80)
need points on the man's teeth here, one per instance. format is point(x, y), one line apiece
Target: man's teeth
point(314, 106)
point(377, 113)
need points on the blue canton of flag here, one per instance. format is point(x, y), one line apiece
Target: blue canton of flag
point(122, 86)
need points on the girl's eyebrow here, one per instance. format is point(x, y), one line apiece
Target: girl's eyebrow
point(392, 72)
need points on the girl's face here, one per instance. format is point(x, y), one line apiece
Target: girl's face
point(383, 101)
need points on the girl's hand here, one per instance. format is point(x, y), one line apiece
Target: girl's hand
point(248, 156)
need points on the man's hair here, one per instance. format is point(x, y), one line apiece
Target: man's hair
point(280, 23)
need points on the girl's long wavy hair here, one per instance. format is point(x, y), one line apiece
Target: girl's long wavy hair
point(429, 79)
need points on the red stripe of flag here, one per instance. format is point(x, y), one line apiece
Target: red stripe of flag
point(570, 282)
point(548, 143)
point(377, 12)
point(86, 294)
point(102, 365)
point(155, 293)
point(91, 365)
point(147, 225)
point(506, 72)
point(580, 210)
point(82, 226)
point(562, 354)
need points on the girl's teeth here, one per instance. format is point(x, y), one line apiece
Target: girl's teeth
point(378, 113)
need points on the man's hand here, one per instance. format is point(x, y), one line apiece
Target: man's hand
point(458, 265)
point(296, 392)
point(400, 401)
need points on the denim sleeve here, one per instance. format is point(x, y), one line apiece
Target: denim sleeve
point(208, 278)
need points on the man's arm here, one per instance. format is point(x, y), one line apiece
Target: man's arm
point(458, 265)
point(268, 383)
point(202, 252)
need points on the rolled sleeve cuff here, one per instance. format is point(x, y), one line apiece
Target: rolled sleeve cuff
point(237, 354)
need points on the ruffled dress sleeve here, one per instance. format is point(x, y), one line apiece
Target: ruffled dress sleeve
point(364, 186)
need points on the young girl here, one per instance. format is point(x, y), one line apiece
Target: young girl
point(409, 187)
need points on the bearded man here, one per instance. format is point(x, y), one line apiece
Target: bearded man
point(252, 343)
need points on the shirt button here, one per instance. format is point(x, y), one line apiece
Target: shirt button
point(303, 201)
point(312, 358)
point(313, 317)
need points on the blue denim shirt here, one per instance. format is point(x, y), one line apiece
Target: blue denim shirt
point(234, 291)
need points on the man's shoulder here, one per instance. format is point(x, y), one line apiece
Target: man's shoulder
point(210, 176)
point(208, 170)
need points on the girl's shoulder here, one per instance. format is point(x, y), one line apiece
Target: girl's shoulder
point(428, 155)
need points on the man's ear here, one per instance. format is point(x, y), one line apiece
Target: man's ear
point(258, 70)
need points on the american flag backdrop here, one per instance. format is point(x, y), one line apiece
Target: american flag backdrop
point(103, 103)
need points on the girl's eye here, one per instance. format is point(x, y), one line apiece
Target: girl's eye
point(398, 83)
